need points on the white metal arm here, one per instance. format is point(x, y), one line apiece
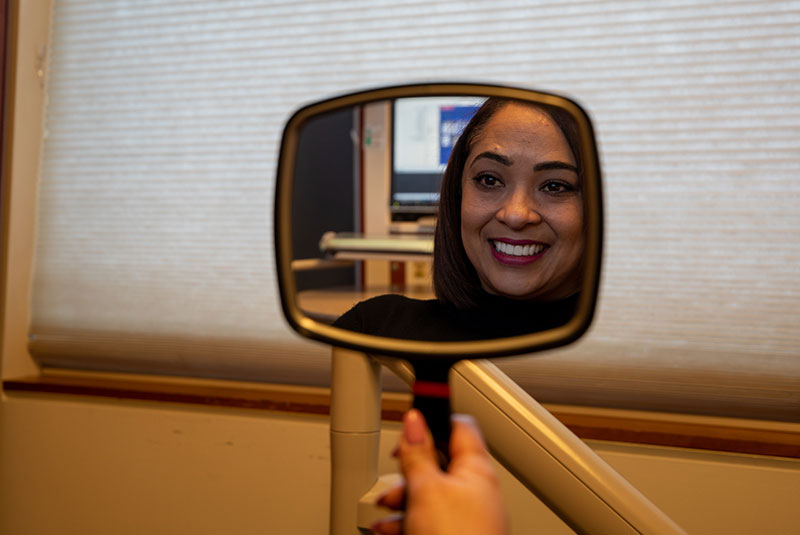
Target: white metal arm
point(557, 466)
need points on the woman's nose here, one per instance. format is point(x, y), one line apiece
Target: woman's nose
point(519, 210)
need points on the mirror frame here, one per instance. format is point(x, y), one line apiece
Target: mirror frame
point(378, 345)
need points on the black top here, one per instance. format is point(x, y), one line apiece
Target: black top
point(397, 316)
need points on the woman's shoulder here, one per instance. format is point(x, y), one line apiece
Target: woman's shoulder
point(394, 301)
point(388, 315)
point(397, 316)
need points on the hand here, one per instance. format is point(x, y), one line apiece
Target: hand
point(464, 500)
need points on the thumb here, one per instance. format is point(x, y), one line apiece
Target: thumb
point(466, 438)
point(416, 452)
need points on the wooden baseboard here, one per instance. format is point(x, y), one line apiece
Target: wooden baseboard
point(591, 423)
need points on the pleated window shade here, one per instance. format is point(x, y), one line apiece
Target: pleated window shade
point(163, 121)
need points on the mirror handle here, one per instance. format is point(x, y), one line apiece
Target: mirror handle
point(431, 391)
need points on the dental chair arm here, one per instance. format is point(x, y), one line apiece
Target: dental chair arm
point(553, 463)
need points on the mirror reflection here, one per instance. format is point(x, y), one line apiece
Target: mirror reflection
point(442, 219)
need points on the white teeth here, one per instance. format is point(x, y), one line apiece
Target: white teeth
point(518, 250)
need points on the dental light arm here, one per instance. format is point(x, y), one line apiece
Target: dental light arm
point(553, 463)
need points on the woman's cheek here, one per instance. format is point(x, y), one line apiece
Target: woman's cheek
point(569, 219)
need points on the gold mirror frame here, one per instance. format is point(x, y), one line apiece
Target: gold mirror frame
point(316, 330)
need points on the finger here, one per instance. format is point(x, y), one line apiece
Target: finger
point(416, 452)
point(390, 525)
point(466, 439)
point(394, 498)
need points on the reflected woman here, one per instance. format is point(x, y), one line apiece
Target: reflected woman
point(509, 238)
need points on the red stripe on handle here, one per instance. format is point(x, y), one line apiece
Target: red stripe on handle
point(431, 389)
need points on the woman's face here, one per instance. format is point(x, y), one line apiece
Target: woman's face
point(521, 207)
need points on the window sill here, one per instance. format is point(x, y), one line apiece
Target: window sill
point(756, 437)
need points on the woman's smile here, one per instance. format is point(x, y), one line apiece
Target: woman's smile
point(517, 252)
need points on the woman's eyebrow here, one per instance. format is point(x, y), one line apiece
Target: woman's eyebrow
point(493, 156)
point(542, 166)
point(545, 166)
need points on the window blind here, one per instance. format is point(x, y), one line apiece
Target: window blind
point(163, 119)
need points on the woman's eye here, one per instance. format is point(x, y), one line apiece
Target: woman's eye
point(557, 186)
point(488, 181)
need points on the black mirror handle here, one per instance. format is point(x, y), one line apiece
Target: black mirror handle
point(432, 398)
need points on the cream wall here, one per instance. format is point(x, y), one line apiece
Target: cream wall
point(89, 466)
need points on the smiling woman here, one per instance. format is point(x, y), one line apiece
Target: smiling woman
point(509, 241)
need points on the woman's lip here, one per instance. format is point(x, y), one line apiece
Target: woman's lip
point(511, 260)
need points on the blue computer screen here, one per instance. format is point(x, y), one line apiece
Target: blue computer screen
point(424, 131)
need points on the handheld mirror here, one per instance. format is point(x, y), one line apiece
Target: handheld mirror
point(439, 222)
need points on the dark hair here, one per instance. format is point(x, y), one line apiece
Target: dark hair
point(455, 280)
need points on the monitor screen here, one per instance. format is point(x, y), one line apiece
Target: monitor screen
point(424, 131)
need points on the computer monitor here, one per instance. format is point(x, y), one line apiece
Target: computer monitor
point(424, 131)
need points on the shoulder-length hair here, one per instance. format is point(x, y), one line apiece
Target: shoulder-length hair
point(455, 280)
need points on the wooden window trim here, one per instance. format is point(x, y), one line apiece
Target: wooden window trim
point(638, 427)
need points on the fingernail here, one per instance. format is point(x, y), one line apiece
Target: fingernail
point(467, 418)
point(413, 427)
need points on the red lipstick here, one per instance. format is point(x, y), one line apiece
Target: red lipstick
point(516, 260)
